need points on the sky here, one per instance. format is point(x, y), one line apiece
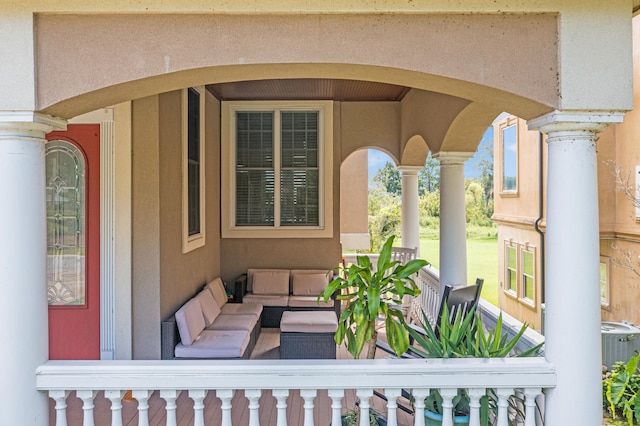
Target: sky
point(377, 159)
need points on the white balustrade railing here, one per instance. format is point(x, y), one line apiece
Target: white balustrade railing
point(526, 377)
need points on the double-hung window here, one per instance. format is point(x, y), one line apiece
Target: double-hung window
point(509, 153)
point(512, 269)
point(528, 281)
point(278, 173)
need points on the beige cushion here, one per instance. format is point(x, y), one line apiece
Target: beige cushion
point(190, 321)
point(234, 322)
point(216, 344)
point(251, 273)
point(216, 287)
point(210, 309)
point(309, 322)
point(254, 309)
point(309, 302)
point(308, 282)
point(266, 299)
point(271, 282)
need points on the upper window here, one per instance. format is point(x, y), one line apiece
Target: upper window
point(512, 269)
point(509, 138)
point(192, 168)
point(279, 182)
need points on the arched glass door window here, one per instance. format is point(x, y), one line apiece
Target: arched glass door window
point(66, 239)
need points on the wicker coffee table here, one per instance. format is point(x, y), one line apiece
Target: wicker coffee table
point(308, 335)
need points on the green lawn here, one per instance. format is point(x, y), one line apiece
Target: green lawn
point(482, 261)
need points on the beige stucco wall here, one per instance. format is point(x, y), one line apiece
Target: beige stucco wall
point(354, 191)
point(164, 277)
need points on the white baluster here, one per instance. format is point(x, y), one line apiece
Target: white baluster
point(336, 396)
point(418, 404)
point(87, 397)
point(60, 397)
point(281, 404)
point(253, 395)
point(308, 395)
point(447, 405)
point(474, 404)
point(225, 396)
point(530, 395)
point(198, 396)
point(170, 396)
point(392, 405)
point(503, 406)
point(364, 395)
point(115, 396)
point(142, 396)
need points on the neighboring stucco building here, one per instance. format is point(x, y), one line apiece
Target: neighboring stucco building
point(521, 162)
point(180, 87)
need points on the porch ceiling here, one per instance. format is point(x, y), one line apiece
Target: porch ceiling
point(307, 88)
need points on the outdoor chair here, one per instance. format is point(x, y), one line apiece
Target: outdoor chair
point(458, 299)
point(404, 255)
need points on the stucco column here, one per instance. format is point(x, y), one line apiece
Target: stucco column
point(572, 321)
point(453, 219)
point(23, 268)
point(410, 199)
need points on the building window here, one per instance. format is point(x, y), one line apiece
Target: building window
point(512, 269)
point(604, 281)
point(509, 136)
point(279, 181)
point(528, 281)
point(193, 168)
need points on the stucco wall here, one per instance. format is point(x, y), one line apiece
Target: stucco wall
point(354, 191)
point(164, 277)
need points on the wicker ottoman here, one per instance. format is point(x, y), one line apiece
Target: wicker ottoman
point(308, 335)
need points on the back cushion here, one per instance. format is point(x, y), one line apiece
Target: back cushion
point(308, 282)
point(271, 282)
point(216, 287)
point(210, 308)
point(190, 321)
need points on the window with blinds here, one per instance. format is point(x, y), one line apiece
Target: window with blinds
point(277, 176)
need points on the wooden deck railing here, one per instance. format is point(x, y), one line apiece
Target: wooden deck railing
point(526, 377)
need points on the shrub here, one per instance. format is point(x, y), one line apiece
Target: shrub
point(620, 390)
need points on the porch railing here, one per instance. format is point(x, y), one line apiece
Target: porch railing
point(525, 377)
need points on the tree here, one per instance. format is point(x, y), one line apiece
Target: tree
point(429, 176)
point(388, 179)
point(384, 217)
point(485, 166)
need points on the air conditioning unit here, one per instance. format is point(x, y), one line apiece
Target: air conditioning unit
point(620, 341)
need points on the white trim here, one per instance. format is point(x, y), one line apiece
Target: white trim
point(192, 242)
point(325, 167)
point(568, 120)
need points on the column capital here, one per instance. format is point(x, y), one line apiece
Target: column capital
point(452, 157)
point(575, 121)
point(29, 124)
point(409, 170)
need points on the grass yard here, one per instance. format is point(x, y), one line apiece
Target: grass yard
point(482, 261)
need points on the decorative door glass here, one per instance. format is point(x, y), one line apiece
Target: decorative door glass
point(65, 169)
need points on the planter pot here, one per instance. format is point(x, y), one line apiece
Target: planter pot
point(435, 419)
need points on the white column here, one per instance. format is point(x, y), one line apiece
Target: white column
point(572, 320)
point(453, 219)
point(410, 199)
point(23, 268)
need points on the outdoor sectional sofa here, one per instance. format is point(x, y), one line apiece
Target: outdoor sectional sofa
point(206, 326)
point(280, 290)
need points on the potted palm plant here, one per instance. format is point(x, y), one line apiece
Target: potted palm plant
point(466, 337)
point(373, 293)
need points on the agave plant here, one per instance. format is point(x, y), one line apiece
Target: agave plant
point(373, 294)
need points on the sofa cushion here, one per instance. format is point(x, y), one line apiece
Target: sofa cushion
point(216, 344)
point(254, 309)
point(309, 302)
point(271, 282)
point(308, 282)
point(266, 299)
point(210, 309)
point(234, 322)
point(252, 272)
point(216, 287)
point(190, 321)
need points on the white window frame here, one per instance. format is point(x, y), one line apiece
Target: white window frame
point(325, 165)
point(507, 289)
point(192, 242)
point(510, 122)
point(605, 303)
point(523, 293)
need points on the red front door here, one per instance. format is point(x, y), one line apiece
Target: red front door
point(73, 242)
